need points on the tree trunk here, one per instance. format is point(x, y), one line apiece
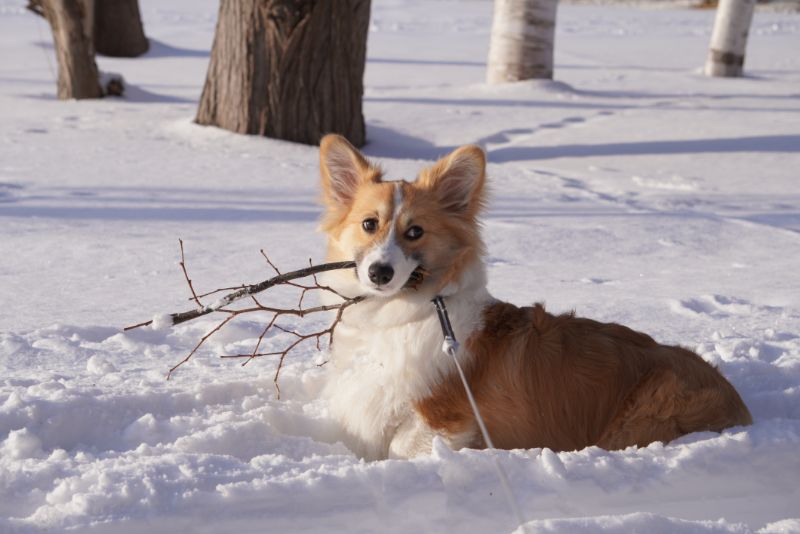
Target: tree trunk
point(77, 72)
point(729, 38)
point(523, 34)
point(118, 30)
point(288, 69)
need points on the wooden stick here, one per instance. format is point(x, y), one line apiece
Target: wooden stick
point(249, 290)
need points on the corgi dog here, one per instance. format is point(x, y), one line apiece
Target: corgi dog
point(539, 380)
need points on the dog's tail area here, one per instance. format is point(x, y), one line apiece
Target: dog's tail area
point(688, 396)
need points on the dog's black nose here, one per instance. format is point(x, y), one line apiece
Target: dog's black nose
point(380, 273)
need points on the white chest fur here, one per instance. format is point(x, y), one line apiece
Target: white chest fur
point(386, 355)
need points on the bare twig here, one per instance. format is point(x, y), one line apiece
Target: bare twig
point(199, 344)
point(131, 327)
point(277, 312)
point(186, 275)
point(220, 290)
point(300, 337)
point(277, 271)
point(285, 279)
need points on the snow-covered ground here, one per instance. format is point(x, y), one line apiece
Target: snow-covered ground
point(632, 189)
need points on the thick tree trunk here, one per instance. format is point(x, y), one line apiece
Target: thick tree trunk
point(523, 35)
point(289, 69)
point(118, 30)
point(77, 72)
point(729, 38)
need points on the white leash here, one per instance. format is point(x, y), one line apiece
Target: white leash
point(450, 346)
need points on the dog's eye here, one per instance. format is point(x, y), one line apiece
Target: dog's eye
point(414, 233)
point(369, 225)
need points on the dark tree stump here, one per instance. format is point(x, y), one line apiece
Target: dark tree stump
point(77, 71)
point(118, 30)
point(288, 69)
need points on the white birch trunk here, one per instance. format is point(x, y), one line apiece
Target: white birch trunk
point(523, 33)
point(729, 38)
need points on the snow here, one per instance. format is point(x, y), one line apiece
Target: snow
point(161, 321)
point(632, 189)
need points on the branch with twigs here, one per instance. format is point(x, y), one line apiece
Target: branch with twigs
point(223, 305)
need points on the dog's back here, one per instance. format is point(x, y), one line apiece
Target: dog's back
point(566, 383)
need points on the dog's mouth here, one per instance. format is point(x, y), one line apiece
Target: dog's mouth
point(414, 281)
point(416, 278)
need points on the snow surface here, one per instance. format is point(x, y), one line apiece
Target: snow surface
point(632, 189)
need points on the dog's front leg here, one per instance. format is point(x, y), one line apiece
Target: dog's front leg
point(412, 438)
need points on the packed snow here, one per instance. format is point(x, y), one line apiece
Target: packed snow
point(631, 189)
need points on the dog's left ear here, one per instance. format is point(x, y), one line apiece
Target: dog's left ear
point(458, 180)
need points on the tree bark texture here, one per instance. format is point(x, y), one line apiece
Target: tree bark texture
point(288, 69)
point(729, 38)
point(77, 71)
point(118, 30)
point(523, 35)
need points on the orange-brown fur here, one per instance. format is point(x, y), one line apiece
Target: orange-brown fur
point(567, 383)
point(540, 380)
point(451, 242)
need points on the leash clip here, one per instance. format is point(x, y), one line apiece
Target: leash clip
point(450, 344)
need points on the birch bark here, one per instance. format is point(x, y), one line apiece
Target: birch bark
point(523, 35)
point(729, 38)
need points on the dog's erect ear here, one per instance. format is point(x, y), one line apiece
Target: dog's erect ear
point(342, 168)
point(458, 180)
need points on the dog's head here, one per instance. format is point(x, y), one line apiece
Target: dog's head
point(418, 235)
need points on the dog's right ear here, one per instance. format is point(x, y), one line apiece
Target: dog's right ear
point(343, 169)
